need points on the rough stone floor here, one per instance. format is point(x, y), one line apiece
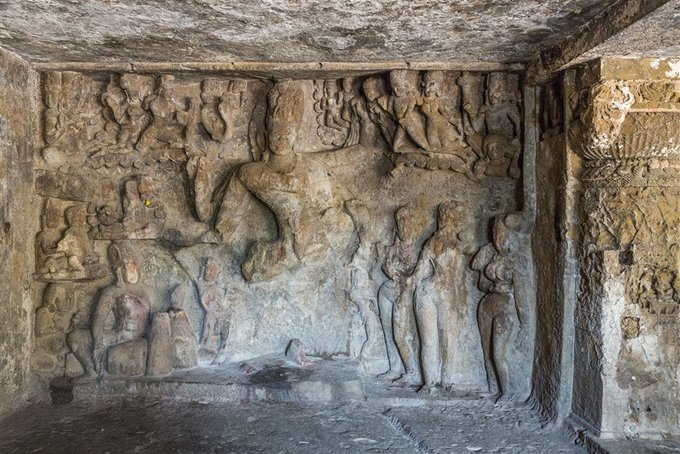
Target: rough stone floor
point(282, 427)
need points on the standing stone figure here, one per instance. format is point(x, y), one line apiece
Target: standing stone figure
point(121, 317)
point(411, 124)
point(379, 107)
point(363, 284)
point(501, 314)
point(213, 300)
point(439, 282)
point(395, 299)
point(501, 145)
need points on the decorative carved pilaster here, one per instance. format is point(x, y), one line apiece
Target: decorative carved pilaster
point(628, 135)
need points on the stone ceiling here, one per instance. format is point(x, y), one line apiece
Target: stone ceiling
point(656, 35)
point(290, 31)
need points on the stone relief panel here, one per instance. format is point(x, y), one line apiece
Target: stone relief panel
point(194, 220)
point(628, 137)
point(469, 123)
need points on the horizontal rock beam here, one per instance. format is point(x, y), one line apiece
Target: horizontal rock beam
point(279, 70)
point(608, 23)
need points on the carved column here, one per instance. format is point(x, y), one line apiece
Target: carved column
point(627, 352)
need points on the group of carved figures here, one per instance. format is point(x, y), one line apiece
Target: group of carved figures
point(134, 113)
point(426, 283)
point(121, 335)
point(468, 123)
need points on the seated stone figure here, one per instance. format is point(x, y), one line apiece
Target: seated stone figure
point(74, 257)
point(120, 318)
point(295, 187)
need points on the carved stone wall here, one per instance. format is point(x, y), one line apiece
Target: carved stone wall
point(19, 113)
point(628, 306)
point(229, 216)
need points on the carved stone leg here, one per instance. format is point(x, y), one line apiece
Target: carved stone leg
point(503, 328)
point(431, 359)
point(80, 342)
point(485, 323)
point(406, 336)
point(387, 296)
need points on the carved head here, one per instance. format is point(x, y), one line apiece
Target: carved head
point(136, 86)
point(145, 186)
point(496, 88)
point(76, 216)
point(52, 215)
point(374, 88)
point(211, 270)
point(405, 82)
point(500, 234)
point(409, 223)
point(52, 88)
point(209, 90)
point(166, 80)
point(433, 81)
point(286, 108)
point(124, 264)
point(449, 214)
point(330, 88)
point(238, 85)
point(348, 84)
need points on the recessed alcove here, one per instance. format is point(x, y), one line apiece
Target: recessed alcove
point(437, 217)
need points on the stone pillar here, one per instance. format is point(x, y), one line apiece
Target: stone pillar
point(626, 129)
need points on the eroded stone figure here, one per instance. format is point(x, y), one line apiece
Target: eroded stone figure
point(75, 245)
point(219, 108)
point(395, 298)
point(410, 133)
point(169, 118)
point(379, 107)
point(46, 259)
point(66, 124)
point(502, 313)
point(330, 106)
point(121, 313)
point(294, 187)
point(444, 122)
point(342, 116)
point(439, 281)
point(364, 285)
point(73, 256)
point(136, 119)
point(213, 297)
point(141, 214)
point(501, 145)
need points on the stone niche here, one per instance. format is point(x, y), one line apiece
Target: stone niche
point(192, 220)
point(627, 352)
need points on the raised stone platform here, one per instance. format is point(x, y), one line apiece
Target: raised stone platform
point(269, 378)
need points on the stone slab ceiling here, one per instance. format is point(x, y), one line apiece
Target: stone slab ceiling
point(655, 35)
point(290, 31)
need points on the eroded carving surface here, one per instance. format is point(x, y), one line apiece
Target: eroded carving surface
point(236, 215)
point(629, 291)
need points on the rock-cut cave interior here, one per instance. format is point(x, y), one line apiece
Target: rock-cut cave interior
point(324, 226)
